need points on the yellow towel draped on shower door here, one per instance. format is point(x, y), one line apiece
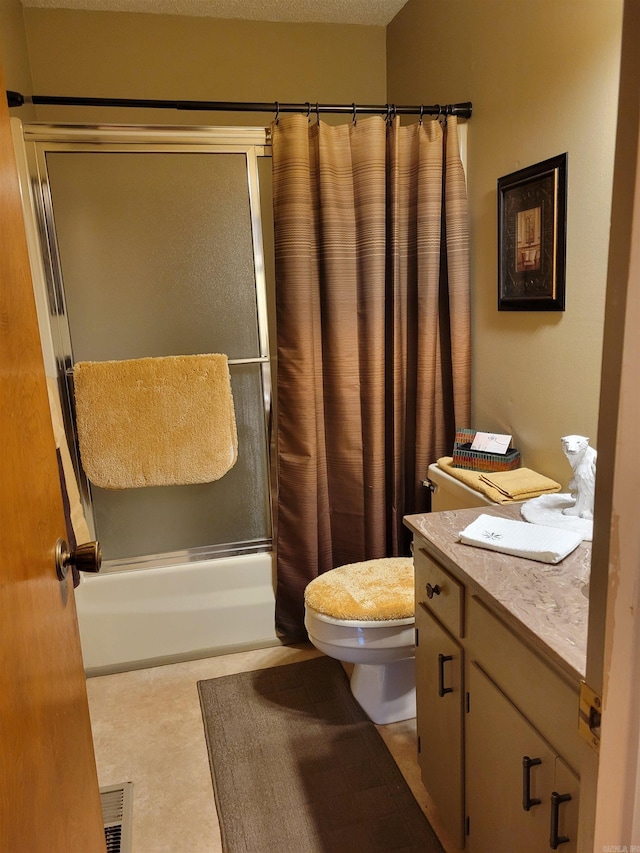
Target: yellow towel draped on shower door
point(155, 421)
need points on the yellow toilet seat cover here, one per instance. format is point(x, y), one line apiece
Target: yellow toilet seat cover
point(374, 590)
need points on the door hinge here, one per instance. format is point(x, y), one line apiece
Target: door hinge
point(468, 702)
point(419, 745)
point(467, 824)
point(417, 643)
point(590, 716)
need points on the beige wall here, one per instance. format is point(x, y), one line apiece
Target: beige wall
point(111, 54)
point(13, 52)
point(543, 78)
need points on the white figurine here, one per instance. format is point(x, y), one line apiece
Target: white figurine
point(582, 485)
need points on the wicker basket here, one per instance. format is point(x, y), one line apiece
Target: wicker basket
point(479, 460)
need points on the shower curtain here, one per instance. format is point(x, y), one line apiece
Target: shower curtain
point(373, 337)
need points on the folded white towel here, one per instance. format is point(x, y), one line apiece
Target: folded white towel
point(521, 539)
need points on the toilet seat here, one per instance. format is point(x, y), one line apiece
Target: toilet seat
point(380, 641)
point(368, 591)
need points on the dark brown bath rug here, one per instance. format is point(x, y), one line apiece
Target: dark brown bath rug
point(298, 767)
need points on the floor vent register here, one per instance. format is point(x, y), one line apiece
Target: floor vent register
point(117, 803)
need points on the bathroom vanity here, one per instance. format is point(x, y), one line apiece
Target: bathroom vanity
point(500, 654)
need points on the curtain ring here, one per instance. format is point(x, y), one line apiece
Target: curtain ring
point(393, 112)
point(421, 113)
point(317, 114)
point(387, 117)
point(308, 105)
point(277, 119)
point(355, 118)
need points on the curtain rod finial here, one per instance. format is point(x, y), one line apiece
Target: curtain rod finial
point(14, 99)
point(464, 110)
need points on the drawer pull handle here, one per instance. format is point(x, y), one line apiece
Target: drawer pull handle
point(432, 590)
point(442, 690)
point(527, 764)
point(554, 839)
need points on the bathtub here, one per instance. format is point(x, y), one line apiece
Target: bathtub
point(146, 617)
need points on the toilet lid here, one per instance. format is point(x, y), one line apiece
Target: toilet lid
point(373, 590)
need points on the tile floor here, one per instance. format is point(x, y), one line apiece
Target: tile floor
point(148, 730)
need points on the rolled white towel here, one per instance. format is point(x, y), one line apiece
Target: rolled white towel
point(520, 539)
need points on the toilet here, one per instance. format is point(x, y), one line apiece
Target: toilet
point(363, 613)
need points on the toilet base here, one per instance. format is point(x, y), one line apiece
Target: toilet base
point(386, 692)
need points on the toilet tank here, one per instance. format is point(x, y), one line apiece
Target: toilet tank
point(449, 493)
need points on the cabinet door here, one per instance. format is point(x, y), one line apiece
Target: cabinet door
point(498, 739)
point(439, 698)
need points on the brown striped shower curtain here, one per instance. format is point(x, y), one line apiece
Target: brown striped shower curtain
point(373, 336)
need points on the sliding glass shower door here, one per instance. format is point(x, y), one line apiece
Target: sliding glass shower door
point(154, 247)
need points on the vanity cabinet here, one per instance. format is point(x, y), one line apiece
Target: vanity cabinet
point(439, 614)
point(519, 791)
point(498, 742)
point(439, 704)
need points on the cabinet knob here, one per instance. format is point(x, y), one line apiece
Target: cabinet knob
point(433, 590)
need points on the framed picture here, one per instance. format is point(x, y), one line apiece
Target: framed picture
point(532, 227)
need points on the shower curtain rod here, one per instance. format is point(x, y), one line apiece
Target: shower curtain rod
point(462, 110)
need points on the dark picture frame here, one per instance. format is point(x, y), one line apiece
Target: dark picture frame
point(532, 236)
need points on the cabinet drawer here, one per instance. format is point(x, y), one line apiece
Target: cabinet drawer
point(544, 695)
point(439, 591)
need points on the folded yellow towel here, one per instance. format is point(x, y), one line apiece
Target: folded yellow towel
point(475, 480)
point(155, 421)
point(520, 483)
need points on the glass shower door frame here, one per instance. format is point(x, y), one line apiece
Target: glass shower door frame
point(40, 140)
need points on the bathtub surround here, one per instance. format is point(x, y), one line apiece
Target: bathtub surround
point(168, 613)
point(373, 336)
point(313, 774)
point(155, 421)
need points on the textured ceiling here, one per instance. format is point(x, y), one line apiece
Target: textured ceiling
point(371, 12)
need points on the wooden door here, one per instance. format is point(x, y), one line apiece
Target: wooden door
point(609, 814)
point(439, 700)
point(49, 797)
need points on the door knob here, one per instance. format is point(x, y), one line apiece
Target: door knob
point(86, 558)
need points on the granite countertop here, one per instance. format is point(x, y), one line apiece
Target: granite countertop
point(546, 603)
